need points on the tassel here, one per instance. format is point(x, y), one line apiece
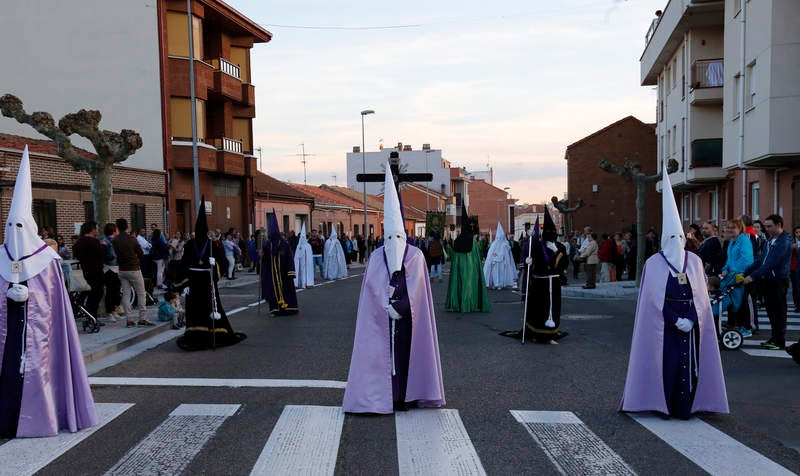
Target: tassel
point(550, 322)
point(394, 372)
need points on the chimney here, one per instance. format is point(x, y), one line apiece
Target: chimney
point(399, 146)
point(356, 149)
point(426, 147)
point(406, 147)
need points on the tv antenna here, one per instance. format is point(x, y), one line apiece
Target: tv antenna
point(304, 155)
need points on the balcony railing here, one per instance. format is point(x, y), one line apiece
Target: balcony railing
point(228, 68)
point(651, 30)
point(707, 74)
point(707, 153)
point(229, 145)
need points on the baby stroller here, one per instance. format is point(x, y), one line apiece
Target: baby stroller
point(76, 288)
point(721, 302)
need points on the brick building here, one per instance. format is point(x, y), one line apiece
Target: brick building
point(292, 207)
point(492, 206)
point(610, 201)
point(332, 208)
point(62, 197)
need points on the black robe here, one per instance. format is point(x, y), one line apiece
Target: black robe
point(545, 288)
point(277, 278)
point(203, 332)
point(11, 379)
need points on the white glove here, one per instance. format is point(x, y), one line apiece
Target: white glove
point(393, 313)
point(212, 261)
point(529, 261)
point(18, 293)
point(552, 246)
point(684, 324)
point(185, 291)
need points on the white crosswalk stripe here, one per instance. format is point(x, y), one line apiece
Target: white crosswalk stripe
point(435, 442)
point(570, 445)
point(23, 456)
point(751, 347)
point(709, 448)
point(191, 424)
point(304, 441)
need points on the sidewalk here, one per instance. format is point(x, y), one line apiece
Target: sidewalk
point(114, 337)
point(614, 290)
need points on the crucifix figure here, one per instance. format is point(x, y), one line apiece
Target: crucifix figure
point(394, 164)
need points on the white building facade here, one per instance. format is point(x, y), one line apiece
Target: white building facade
point(426, 160)
point(732, 160)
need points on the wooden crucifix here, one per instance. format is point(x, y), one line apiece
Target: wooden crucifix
point(394, 164)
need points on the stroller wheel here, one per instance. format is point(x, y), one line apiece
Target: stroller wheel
point(731, 339)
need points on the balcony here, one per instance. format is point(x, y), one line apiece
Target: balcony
point(230, 158)
point(228, 145)
point(707, 82)
point(706, 153)
point(227, 67)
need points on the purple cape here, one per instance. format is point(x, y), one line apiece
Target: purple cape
point(55, 394)
point(369, 383)
point(644, 385)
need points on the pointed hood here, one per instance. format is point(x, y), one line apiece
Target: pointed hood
point(500, 234)
point(22, 243)
point(201, 224)
point(463, 244)
point(333, 235)
point(549, 232)
point(672, 235)
point(303, 241)
point(394, 230)
point(273, 232)
point(535, 231)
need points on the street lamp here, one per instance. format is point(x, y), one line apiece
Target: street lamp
point(364, 167)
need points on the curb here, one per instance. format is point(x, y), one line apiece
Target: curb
point(124, 341)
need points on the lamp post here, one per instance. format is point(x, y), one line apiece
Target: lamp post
point(364, 167)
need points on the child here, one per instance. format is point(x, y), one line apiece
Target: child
point(714, 294)
point(170, 309)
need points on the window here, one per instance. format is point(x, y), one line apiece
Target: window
point(667, 76)
point(137, 217)
point(683, 143)
point(750, 86)
point(286, 223)
point(668, 142)
point(755, 190)
point(685, 206)
point(88, 211)
point(735, 110)
point(181, 118)
point(674, 139)
point(178, 35)
point(697, 200)
point(44, 213)
point(713, 205)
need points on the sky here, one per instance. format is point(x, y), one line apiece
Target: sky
point(505, 83)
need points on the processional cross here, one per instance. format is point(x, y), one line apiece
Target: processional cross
point(394, 165)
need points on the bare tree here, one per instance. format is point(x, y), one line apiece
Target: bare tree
point(567, 211)
point(631, 171)
point(111, 147)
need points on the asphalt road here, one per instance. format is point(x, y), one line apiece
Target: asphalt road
point(485, 376)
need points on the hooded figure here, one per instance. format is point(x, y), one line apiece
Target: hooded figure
point(207, 326)
point(499, 268)
point(548, 262)
point(303, 262)
point(674, 366)
point(43, 383)
point(335, 264)
point(466, 291)
point(277, 272)
point(395, 362)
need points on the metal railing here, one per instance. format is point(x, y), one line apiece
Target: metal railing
point(707, 73)
point(229, 68)
point(230, 145)
point(650, 31)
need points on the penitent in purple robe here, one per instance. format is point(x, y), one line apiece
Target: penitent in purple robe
point(55, 389)
point(370, 386)
point(656, 351)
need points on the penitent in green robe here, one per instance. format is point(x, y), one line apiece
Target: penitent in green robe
point(467, 289)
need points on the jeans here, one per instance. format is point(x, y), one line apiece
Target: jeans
point(113, 287)
point(591, 275)
point(775, 301)
point(133, 281)
point(318, 263)
point(436, 271)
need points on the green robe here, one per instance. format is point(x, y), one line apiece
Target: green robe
point(467, 289)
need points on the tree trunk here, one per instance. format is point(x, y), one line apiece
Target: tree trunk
point(101, 194)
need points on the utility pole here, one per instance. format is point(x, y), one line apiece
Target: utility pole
point(304, 155)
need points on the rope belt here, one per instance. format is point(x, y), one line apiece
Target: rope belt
point(550, 322)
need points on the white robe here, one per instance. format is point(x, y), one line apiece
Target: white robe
point(303, 265)
point(499, 270)
point(335, 264)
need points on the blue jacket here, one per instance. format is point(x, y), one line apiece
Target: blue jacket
point(774, 260)
point(740, 254)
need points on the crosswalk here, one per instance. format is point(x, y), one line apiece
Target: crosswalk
point(751, 346)
point(306, 440)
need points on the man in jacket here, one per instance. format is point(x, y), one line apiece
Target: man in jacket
point(129, 254)
point(589, 256)
point(772, 269)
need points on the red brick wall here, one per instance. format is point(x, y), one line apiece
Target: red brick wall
point(613, 207)
point(483, 202)
point(54, 179)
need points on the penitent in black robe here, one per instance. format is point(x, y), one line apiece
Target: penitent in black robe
point(277, 277)
point(203, 332)
point(544, 300)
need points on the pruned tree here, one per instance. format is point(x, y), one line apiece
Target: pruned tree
point(563, 207)
point(632, 171)
point(110, 147)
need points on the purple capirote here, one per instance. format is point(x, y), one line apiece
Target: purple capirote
point(644, 384)
point(369, 383)
point(55, 394)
